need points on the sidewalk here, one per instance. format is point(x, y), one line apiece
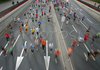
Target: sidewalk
point(6, 5)
point(91, 2)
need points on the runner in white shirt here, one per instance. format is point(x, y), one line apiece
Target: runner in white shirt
point(18, 19)
point(30, 8)
point(67, 22)
point(40, 15)
point(51, 47)
point(14, 19)
point(51, 16)
point(80, 40)
point(37, 30)
point(27, 20)
point(36, 43)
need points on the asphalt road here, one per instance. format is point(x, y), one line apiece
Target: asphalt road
point(78, 58)
point(36, 61)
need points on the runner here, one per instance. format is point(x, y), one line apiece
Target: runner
point(39, 24)
point(78, 20)
point(11, 37)
point(10, 26)
point(32, 19)
point(40, 38)
point(10, 50)
point(26, 28)
point(70, 51)
point(32, 30)
point(42, 13)
point(32, 48)
point(20, 30)
point(30, 8)
point(73, 44)
point(56, 54)
point(22, 23)
point(92, 40)
point(89, 55)
point(67, 22)
point(87, 31)
point(68, 11)
point(25, 48)
point(83, 18)
point(7, 36)
point(14, 19)
point(26, 20)
point(4, 51)
point(80, 40)
point(43, 43)
point(36, 43)
point(37, 30)
point(36, 20)
point(18, 19)
point(85, 37)
point(51, 47)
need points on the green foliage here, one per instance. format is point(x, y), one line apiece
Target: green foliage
point(2, 1)
point(98, 1)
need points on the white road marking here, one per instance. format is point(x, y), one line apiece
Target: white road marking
point(20, 58)
point(89, 20)
point(47, 58)
point(4, 47)
point(86, 47)
point(16, 40)
point(1, 68)
point(80, 13)
point(74, 28)
point(83, 25)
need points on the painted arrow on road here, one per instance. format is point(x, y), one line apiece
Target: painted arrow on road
point(20, 58)
point(47, 58)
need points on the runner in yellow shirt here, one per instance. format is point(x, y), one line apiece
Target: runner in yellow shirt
point(32, 30)
point(26, 27)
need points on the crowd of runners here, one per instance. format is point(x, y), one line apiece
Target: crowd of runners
point(39, 41)
point(71, 15)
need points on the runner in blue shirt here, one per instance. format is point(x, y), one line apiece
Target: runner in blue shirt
point(32, 48)
point(39, 24)
point(24, 47)
point(83, 18)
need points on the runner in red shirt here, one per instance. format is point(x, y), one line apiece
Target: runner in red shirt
point(85, 37)
point(73, 44)
point(36, 15)
point(20, 30)
point(56, 53)
point(40, 38)
point(7, 36)
point(42, 13)
point(62, 5)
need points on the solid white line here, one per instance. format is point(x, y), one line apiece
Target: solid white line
point(4, 47)
point(89, 20)
point(86, 47)
point(46, 48)
point(1, 68)
point(83, 25)
point(81, 13)
point(74, 28)
point(23, 49)
point(16, 40)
